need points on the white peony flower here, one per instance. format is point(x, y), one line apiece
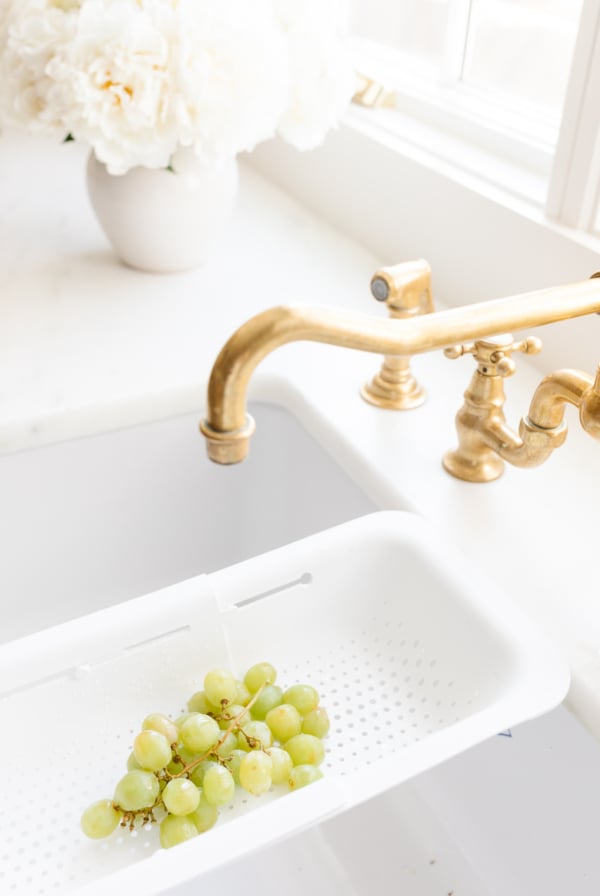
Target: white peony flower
point(137, 79)
point(322, 80)
point(34, 33)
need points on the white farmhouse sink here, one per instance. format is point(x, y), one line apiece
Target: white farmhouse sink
point(95, 521)
point(89, 523)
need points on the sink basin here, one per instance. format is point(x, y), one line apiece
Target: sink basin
point(96, 521)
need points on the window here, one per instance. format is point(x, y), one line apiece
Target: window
point(507, 88)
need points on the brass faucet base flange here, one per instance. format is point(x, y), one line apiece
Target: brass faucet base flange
point(485, 469)
point(394, 397)
point(394, 387)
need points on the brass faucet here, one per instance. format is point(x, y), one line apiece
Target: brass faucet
point(228, 427)
point(484, 437)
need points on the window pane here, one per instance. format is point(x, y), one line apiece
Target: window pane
point(522, 48)
point(416, 27)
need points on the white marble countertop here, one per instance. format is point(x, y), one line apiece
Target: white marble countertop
point(87, 345)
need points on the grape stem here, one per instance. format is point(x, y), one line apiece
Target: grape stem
point(233, 726)
point(130, 816)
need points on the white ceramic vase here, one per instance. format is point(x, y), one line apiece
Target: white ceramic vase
point(160, 220)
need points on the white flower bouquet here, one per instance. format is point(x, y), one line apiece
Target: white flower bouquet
point(139, 79)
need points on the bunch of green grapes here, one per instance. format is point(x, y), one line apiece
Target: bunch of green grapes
point(249, 733)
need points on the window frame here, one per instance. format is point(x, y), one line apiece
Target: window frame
point(554, 168)
point(574, 186)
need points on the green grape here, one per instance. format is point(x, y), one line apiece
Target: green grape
point(303, 697)
point(175, 829)
point(100, 819)
point(282, 765)
point(305, 749)
point(132, 763)
point(163, 724)
point(242, 744)
point(197, 775)
point(256, 769)
point(220, 686)
point(152, 750)
point(242, 694)
point(284, 721)
point(230, 712)
point(199, 702)
point(316, 722)
point(205, 816)
point(228, 745)
point(234, 760)
point(302, 775)
point(260, 731)
point(137, 790)
point(181, 796)
point(261, 673)
point(199, 733)
point(180, 720)
point(218, 787)
point(174, 767)
point(268, 699)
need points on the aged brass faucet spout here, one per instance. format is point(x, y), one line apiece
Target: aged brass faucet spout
point(227, 426)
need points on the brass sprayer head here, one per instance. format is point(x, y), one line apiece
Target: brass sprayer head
point(406, 290)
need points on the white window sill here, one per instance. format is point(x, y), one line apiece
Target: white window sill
point(459, 159)
point(493, 175)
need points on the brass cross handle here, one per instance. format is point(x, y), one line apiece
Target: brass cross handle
point(493, 355)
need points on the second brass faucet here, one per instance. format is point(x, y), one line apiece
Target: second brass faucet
point(485, 440)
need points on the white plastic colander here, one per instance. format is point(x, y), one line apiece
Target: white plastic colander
point(415, 657)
